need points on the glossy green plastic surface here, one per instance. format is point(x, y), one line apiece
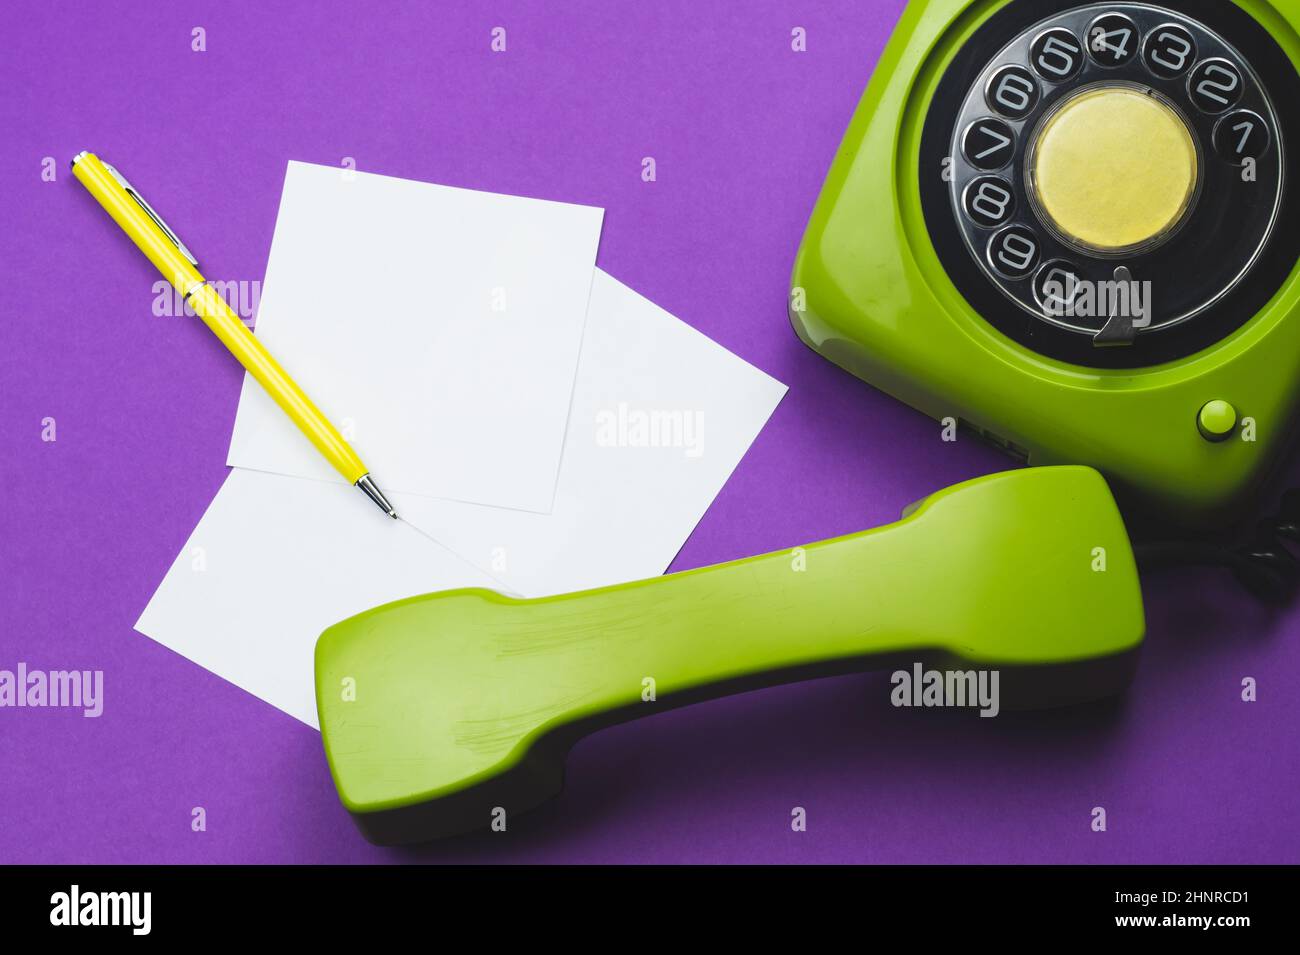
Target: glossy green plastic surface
point(467, 700)
point(876, 300)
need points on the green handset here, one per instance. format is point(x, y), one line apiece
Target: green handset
point(441, 712)
point(1074, 227)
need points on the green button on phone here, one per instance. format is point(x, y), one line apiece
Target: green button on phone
point(1216, 420)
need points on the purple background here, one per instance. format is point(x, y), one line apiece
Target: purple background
point(743, 130)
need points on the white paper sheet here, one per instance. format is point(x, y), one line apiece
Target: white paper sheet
point(286, 557)
point(661, 417)
point(438, 328)
point(274, 561)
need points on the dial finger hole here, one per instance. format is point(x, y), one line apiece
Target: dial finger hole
point(1112, 40)
point(1215, 85)
point(1013, 92)
point(989, 144)
point(1056, 55)
point(1242, 135)
point(989, 202)
point(1169, 51)
point(1056, 288)
point(1014, 253)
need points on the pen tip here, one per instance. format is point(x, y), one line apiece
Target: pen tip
point(376, 495)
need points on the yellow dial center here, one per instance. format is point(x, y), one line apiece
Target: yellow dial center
point(1114, 169)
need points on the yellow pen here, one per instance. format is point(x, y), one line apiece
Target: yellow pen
point(170, 256)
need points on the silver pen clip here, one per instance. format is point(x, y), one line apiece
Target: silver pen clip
point(149, 211)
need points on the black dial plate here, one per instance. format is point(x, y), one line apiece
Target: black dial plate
point(1215, 66)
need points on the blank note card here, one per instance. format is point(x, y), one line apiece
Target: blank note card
point(438, 328)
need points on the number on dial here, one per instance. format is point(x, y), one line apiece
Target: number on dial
point(1169, 51)
point(1241, 135)
point(1056, 287)
point(1013, 92)
point(1056, 55)
point(989, 201)
point(989, 144)
point(1014, 252)
point(1113, 39)
point(1215, 85)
